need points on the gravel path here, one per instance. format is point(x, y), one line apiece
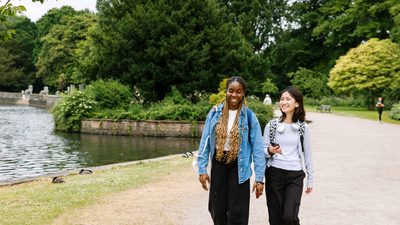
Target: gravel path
point(357, 182)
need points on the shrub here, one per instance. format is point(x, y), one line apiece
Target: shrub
point(110, 94)
point(395, 112)
point(70, 109)
point(337, 101)
point(175, 97)
point(174, 108)
point(263, 112)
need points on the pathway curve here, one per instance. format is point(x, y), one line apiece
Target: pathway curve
point(357, 182)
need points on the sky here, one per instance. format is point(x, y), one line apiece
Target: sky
point(35, 10)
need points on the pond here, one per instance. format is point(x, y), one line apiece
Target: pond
point(29, 146)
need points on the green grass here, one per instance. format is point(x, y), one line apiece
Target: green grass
point(40, 202)
point(360, 113)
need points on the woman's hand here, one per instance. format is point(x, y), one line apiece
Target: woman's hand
point(258, 187)
point(204, 178)
point(309, 190)
point(274, 150)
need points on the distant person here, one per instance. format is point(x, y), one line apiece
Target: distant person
point(287, 145)
point(231, 142)
point(379, 106)
point(267, 100)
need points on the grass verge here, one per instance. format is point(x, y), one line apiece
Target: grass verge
point(360, 113)
point(40, 202)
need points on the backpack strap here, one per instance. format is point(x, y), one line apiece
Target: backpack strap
point(301, 132)
point(272, 130)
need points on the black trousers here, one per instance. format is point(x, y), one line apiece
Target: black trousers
point(380, 110)
point(229, 201)
point(283, 189)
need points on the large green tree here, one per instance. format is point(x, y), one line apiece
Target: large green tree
point(369, 69)
point(53, 17)
point(20, 49)
point(156, 44)
point(346, 23)
point(10, 74)
point(260, 21)
point(59, 58)
point(311, 83)
point(295, 47)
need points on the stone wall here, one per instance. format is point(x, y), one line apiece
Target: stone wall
point(36, 100)
point(142, 128)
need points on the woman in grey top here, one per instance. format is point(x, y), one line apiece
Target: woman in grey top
point(286, 146)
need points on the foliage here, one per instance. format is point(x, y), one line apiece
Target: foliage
point(259, 20)
point(7, 11)
point(371, 67)
point(70, 109)
point(220, 96)
point(395, 112)
point(351, 102)
point(157, 44)
point(311, 83)
point(175, 97)
point(295, 46)
point(176, 107)
point(109, 94)
point(347, 23)
point(395, 31)
point(53, 17)
point(58, 60)
point(10, 74)
point(20, 49)
point(263, 112)
point(269, 87)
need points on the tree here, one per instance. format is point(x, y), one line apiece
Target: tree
point(347, 23)
point(52, 18)
point(260, 21)
point(9, 10)
point(20, 48)
point(10, 75)
point(370, 68)
point(269, 87)
point(58, 61)
point(156, 44)
point(312, 84)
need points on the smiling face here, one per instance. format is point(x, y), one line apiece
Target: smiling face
point(287, 103)
point(234, 95)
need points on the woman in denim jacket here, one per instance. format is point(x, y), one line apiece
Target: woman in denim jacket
point(231, 139)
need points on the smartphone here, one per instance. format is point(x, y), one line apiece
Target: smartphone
point(274, 144)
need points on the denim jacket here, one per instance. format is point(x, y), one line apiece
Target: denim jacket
point(249, 150)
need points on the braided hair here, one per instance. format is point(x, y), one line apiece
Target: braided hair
point(222, 128)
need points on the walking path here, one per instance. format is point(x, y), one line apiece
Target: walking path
point(357, 182)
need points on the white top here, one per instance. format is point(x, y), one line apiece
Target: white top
point(292, 153)
point(288, 141)
point(231, 120)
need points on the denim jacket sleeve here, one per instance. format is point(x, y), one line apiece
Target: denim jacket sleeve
point(257, 149)
point(204, 147)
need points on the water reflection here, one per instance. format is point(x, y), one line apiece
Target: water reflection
point(95, 150)
point(29, 147)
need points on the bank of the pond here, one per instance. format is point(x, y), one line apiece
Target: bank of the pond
point(35, 100)
point(40, 201)
point(152, 128)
